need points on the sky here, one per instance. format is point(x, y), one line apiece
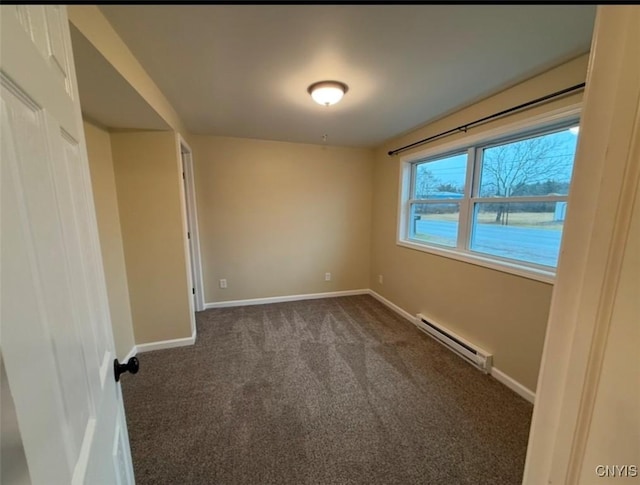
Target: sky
point(453, 168)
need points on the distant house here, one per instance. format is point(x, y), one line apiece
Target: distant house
point(445, 195)
point(560, 212)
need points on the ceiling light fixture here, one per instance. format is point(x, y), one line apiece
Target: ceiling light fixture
point(327, 93)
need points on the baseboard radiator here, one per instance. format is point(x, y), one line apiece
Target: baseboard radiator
point(469, 352)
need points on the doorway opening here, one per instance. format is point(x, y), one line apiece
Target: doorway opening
point(191, 219)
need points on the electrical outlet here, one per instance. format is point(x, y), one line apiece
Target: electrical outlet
point(327, 276)
point(223, 283)
point(380, 279)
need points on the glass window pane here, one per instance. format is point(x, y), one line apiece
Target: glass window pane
point(524, 231)
point(435, 223)
point(536, 166)
point(441, 179)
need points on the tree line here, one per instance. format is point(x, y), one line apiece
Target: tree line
point(530, 167)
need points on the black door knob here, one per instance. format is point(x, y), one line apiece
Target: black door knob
point(132, 366)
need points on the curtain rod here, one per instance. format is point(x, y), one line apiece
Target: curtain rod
point(466, 126)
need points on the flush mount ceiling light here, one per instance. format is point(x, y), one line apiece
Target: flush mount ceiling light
point(327, 93)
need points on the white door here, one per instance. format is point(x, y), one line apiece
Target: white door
point(55, 333)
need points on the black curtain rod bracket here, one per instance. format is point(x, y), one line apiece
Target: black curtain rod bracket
point(480, 121)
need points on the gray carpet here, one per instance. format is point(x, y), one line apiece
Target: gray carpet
point(332, 391)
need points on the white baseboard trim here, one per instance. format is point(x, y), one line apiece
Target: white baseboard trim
point(132, 353)
point(497, 374)
point(166, 344)
point(393, 306)
point(280, 299)
point(514, 385)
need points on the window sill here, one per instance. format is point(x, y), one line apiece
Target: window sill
point(472, 258)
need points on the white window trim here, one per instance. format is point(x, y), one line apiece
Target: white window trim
point(493, 262)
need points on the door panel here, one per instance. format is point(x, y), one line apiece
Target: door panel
point(73, 185)
point(34, 23)
point(57, 50)
point(56, 335)
point(75, 374)
point(90, 356)
point(23, 301)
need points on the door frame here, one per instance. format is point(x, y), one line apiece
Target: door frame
point(191, 213)
point(594, 241)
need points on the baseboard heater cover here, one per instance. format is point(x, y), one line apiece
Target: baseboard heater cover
point(469, 352)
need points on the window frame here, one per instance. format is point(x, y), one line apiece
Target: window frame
point(474, 145)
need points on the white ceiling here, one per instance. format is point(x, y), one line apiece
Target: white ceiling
point(243, 70)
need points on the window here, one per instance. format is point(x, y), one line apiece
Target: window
point(499, 201)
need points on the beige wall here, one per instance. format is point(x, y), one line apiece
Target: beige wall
point(105, 198)
point(149, 184)
point(90, 21)
point(147, 173)
point(274, 217)
point(501, 312)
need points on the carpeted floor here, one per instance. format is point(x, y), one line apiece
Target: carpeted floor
point(331, 391)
